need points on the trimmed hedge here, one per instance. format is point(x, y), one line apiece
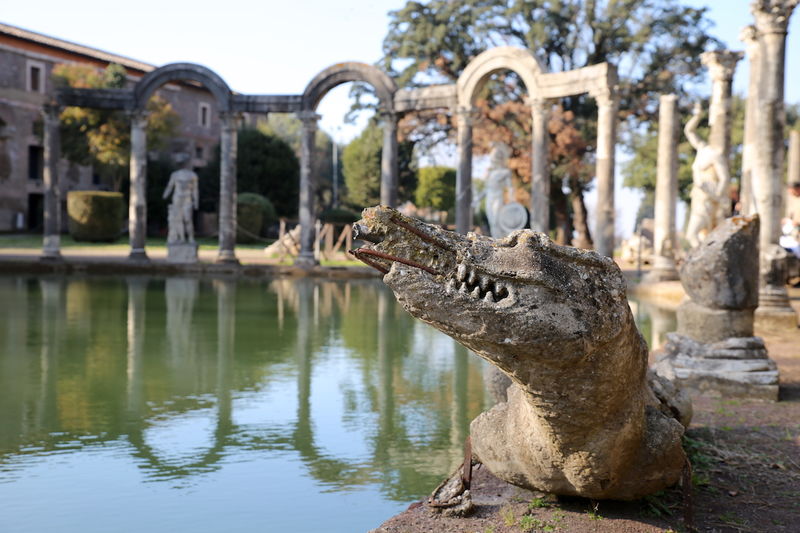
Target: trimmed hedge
point(339, 215)
point(95, 216)
point(254, 213)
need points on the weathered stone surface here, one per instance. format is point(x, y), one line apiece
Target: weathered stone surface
point(737, 367)
point(581, 418)
point(711, 325)
point(722, 271)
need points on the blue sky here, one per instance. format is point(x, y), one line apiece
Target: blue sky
point(278, 46)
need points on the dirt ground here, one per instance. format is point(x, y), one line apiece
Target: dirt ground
point(746, 477)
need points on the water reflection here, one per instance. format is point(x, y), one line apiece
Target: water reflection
point(189, 376)
point(653, 321)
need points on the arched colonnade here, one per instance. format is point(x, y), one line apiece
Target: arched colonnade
point(597, 80)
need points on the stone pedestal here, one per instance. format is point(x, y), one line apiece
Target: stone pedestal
point(182, 252)
point(714, 351)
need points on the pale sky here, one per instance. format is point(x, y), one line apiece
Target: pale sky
point(277, 47)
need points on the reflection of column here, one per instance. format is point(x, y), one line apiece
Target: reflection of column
point(137, 203)
point(772, 19)
point(303, 436)
point(389, 170)
point(226, 333)
point(606, 144)
point(746, 193)
point(227, 188)
point(180, 295)
point(459, 415)
point(306, 211)
point(666, 191)
point(51, 331)
point(464, 119)
point(540, 168)
point(51, 249)
point(721, 66)
point(662, 321)
point(386, 370)
point(137, 289)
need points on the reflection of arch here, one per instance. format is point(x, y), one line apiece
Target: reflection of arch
point(335, 75)
point(182, 71)
point(477, 72)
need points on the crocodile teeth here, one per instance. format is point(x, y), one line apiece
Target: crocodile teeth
point(463, 288)
point(483, 283)
point(489, 298)
point(462, 272)
point(451, 285)
point(472, 278)
point(476, 293)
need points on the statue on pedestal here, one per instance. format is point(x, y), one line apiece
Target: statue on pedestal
point(710, 180)
point(503, 217)
point(183, 186)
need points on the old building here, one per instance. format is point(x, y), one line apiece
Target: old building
point(27, 60)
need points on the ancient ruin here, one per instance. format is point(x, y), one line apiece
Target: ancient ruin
point(583, 416)
point(714, 351)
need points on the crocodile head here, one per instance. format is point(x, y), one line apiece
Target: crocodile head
point(506, 299)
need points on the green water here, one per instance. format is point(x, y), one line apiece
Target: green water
point(150, 405)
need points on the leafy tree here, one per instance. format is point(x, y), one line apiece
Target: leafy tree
point(361, 166)
point(265, 165)
point(436, 188)
point(101, 138)
point(655, 43)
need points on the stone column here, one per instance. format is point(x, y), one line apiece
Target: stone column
point(389, 171)
point(227, 188)
point(607, 104)
point(540, 167)
point(721, 66)
point(748, 35)
point(306, 211)
point(137, 201)
point(51, 249)
point(666, 191)
point(772, 19)
point(464, 118)
point(793, 163)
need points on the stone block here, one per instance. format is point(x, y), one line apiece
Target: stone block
point(182, 252)
point(713, 325)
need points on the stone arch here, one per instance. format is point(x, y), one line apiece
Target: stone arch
point(182, 71)
point(335, 75)
point(477, 72)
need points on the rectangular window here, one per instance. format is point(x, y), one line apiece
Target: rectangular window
point(36, 76)
point(198, 152)
point(204, 114)
point(35, 162)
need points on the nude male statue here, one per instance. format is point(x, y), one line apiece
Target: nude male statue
point(710, 181)
point(183, 185)
point(498, 179)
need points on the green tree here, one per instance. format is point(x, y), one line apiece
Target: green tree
point(655, 43)
point(436, 188)
point(101, 138)
point(361, 166)
point(265, 165)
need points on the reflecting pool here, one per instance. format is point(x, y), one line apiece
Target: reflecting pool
point(200, 405)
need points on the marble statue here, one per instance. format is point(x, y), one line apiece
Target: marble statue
point(183, 186)
point(498, 181)
point(583, 416)
point(710, 181)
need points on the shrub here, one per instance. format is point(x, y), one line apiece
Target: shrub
point(338, 215)
point(95, 215)
point(254, 213)
point(436, 188)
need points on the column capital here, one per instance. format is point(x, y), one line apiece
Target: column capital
point(721, 63)
point(389, 114)
point(772, 16)
point(138, 117)
point(606, 97)
point(538, 104)
point(749, 36)
point(230, 119)
point(309, 118)
point(466, 115)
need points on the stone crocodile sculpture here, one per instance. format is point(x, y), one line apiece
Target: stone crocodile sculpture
point(584, 416)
